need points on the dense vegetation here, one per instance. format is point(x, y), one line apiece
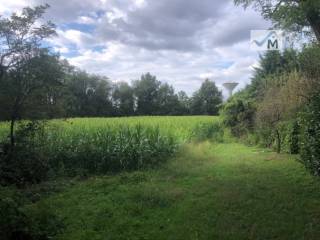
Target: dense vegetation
point(279, 109)
point(81, 147)
point(79, 94)
point(130, 185)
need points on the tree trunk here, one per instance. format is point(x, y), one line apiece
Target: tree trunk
point(14, 116)
point(278, 141)
point(12, 124)
point(313, 17)
point(315, 25)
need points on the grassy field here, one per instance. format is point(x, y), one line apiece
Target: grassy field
point(201, 190)
point(87, 146)
point(207, 191)
point(179, 126)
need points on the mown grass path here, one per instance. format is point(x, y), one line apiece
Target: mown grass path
point(209, 191)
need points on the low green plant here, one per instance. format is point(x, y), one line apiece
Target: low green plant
point(19, 219)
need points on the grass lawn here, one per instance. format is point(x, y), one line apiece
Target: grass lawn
point(208, 191)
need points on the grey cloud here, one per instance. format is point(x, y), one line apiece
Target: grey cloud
point(181, 25)
point(164, 24)
point(67, 10)
point(235, 28)
point(177, 40)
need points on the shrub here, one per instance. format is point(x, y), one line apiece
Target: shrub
point(25, 162)
point(13, 221)
point(238, 114)
point(309, 62)
point(290, 136)
point(20, 220)
point(310, 136)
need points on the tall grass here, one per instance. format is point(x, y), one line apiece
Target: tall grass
point(83, 146)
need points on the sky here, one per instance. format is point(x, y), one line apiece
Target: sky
point(182, 42)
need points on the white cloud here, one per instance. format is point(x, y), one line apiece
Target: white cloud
point(85, 20)
point(7, 7)
point(180, 41)
point(71, 38)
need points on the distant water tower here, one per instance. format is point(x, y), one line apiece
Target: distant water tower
point(230, 86)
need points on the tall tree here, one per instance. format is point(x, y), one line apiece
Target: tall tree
point(184, 103)
point(21, 37)
point(272, 64)
point(168, 102)
point(146, 91)
point(293, 15)
point(88, 95)
point(207, 99)
point(123, 99)
point(22, 56)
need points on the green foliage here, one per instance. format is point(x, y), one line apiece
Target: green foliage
point(12, 219)
point(123, 99)
point(26, 162)
point(110, 149)
point(265, 112)
point(98, 146)
point(26, 67)
point(86, 95)
point(113, 145)
point(209, 131)
point(292, 15)
point(184, 103)
point(290, 132)
point(20, 220)
point(272, 65)
point(310, 136)
point(238, 114)
point(146, 91)
point(206, 100)
point(168, 101)
point(309, 62)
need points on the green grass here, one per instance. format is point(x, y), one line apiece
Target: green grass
point(179, 126)
point(88, 146)
point(207, 191)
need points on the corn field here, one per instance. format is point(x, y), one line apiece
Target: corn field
point(81, 146)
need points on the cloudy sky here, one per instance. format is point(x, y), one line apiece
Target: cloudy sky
point(182, 42)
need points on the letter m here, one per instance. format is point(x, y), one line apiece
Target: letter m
point(273, 45)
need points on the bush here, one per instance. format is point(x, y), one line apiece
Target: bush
point(19, 220)
point(13, 222)
point(289, 131)
point(208, 131)
point(238, 114)
point(310, 136)
point(309, 62)
point(25, 162)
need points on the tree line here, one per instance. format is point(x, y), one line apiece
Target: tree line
point(75, 93)
point(36, 83)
